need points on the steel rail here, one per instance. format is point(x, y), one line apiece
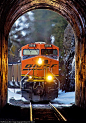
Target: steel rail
point(31, 119)
point(61, 117)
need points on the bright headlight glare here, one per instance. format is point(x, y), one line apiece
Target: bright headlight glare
point(30, 77)
point(49, 78)
point(40, 61)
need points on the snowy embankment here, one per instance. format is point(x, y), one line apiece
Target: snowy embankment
point(64, 99)
point(15, 94)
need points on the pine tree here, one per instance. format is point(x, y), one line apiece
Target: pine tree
point(20, 34)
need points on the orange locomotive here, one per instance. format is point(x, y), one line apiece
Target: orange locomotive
point(39, 71)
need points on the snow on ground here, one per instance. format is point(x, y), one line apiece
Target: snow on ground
point(64, 99)
point(15, 94)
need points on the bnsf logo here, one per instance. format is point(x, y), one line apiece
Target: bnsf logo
point(31, 66)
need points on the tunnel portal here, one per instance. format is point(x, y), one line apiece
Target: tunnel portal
point(74, 11)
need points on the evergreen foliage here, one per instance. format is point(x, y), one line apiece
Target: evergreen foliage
point(37, 25)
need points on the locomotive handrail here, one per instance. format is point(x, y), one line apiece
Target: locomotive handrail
point(26, 74)
point(55, 77)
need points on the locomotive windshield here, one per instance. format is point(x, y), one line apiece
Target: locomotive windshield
point(49, 52)
point(52, 53)
point(30, 52)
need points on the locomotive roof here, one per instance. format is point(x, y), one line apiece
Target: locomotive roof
point(39, 43)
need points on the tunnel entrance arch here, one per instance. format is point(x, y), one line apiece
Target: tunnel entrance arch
point(72, 11)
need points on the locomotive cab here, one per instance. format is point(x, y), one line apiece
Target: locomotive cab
point(39, 71)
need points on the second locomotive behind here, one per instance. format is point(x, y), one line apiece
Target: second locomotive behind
point(39, 71)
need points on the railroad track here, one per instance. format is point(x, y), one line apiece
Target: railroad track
point(49, 113)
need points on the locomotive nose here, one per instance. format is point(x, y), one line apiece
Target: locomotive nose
point(40, 61)
point(46, 61)
point(39, 91)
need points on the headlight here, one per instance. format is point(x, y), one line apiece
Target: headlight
point(40, 61)
point(49, 78)
point(30, 77)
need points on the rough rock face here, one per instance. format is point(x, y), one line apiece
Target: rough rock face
point(68, 34)
point(69, 58)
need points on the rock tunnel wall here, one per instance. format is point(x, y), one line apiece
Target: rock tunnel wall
point(74, 11)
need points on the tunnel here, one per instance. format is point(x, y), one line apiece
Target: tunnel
point(74, 11)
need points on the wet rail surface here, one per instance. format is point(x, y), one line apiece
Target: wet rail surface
point(47, 113)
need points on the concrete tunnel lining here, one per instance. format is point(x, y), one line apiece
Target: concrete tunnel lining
point(72, 11)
